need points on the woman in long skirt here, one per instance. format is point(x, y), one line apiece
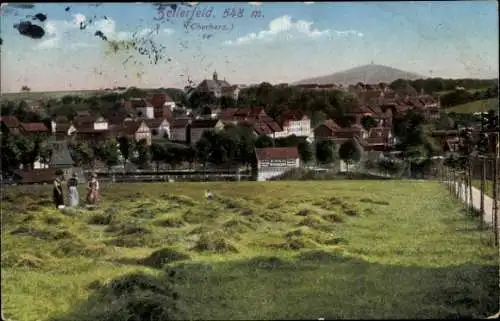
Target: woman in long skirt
point(93, 190)
point(57, 191)
point(74, 197)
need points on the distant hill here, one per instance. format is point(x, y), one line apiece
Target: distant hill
point(368, 74)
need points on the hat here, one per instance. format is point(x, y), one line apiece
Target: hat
point(94, 175)
point(75, 175)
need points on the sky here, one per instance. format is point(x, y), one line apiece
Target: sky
point(286, 42)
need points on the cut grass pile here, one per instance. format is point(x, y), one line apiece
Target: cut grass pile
point(274, 250)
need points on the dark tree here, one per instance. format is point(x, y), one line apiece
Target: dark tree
point(325, 151)
point(368, 122)
point(350, 152)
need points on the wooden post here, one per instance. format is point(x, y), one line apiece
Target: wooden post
point(483, 178)
point(471, 204)
point(495, 199)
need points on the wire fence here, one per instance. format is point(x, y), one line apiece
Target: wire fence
point(476, 185)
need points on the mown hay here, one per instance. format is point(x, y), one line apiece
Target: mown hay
point(76, 247)
point(192, 217)
point(144, 213)
point(333, 218)
point(128, 228)
point(230, 204)
point(13, 259)
point(266, 262)
point(170, 222)
point(41, 233)
point(179, 199)
point(246, 212)
point(53, 220)
point(303, 212)
point(272, 216)
point(164, 256)
point(312, 222)
point(237, 226)
point(322, 256)
point(213, 242)
point(101, 219)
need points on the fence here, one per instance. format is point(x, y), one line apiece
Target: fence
point(477, 185)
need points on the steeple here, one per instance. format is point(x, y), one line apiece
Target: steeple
point(214, 77)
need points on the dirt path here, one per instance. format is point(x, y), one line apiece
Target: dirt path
point(476, 203)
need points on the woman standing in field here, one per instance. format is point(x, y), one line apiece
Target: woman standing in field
point(57, 190)
point(74, 197)
point(93, 190)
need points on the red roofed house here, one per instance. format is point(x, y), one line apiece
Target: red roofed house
point(10, 124)
point(199, 126)
point(34, 128)
point(326, 130)
point(294, 123)
point(141, 107)
point(160, 100)
point(178, 129)
point(274, 161)
point(136, 130)
point(159, 127)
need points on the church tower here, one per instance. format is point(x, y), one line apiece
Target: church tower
point(214, 77)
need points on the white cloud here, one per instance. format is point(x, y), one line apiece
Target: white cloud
point(308, 2)
point(168, 31)
point(282, 25)
point(255, 3)
point(56, 29)
point(348, 33)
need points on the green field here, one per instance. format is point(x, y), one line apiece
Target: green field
point(46, 95)
point(475, 106)
point(274, 250)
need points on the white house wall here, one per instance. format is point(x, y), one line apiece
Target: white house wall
point(267, 172)
point(147, 112)
point(101, 126)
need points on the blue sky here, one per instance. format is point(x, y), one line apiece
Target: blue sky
point(289, 42)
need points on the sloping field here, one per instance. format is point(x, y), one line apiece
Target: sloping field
point(477, 106)
point(273, 250)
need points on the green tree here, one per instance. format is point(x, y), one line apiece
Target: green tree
point(350, 152)
point(158, 154)
point(264, 141)
point(11, 154)
point(143, 156)
point(305, 151)
point(125, 147)
point(81, 153)
point(368, 122)
point(325, 151)
point(109, 153)
point(203, 151)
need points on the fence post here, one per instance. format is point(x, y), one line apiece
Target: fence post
point(483, 178)
point(471, 198)
point(495, 199)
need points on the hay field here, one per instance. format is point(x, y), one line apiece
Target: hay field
point(273, 250)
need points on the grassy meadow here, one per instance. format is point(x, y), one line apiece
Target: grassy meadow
point(476, 106)
point(273, 250)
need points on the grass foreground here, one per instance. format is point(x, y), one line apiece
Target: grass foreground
point(273, 250)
